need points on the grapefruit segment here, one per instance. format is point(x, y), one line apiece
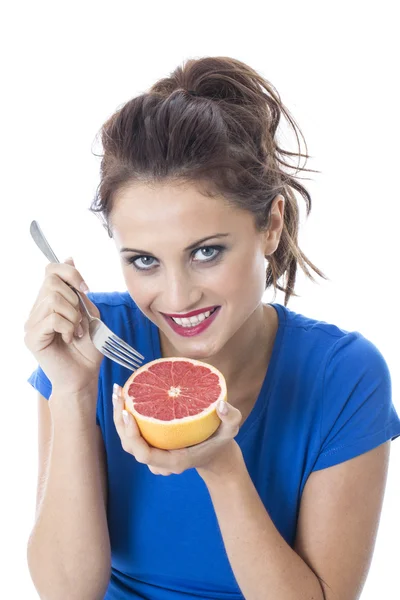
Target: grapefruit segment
point(174, 401)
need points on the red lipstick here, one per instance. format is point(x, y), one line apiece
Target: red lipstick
point(197, 329)
point(190, 314)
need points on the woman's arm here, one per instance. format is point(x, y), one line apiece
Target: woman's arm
point(337, 525)
point(69, 547)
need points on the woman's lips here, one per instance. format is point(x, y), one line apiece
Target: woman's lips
point(191, 331)
point(190, 314)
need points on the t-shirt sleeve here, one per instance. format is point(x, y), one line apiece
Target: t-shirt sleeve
point(358, 414)
point(42, 384)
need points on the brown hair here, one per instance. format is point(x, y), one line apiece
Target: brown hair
point(211, 123)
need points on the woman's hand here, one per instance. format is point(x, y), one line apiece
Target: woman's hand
point(217, 455)
point(70, 361)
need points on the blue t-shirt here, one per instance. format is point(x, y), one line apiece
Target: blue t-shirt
point(326, 398)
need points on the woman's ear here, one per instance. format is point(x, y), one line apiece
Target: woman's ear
point(276, 221)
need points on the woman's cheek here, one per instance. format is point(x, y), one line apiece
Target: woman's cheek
point(137, 287)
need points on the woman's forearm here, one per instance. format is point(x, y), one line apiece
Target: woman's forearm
point(265, 566)
point(69, 547)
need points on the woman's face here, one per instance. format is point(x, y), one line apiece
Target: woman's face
point(184, 253)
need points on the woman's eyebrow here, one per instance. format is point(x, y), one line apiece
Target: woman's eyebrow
point(210, 237)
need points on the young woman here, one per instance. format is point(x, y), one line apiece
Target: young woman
point(283, 502)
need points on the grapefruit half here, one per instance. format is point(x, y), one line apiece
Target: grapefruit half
point(174, 401)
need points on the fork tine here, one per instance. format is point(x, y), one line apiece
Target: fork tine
point(121, 352)
point(126, 346)
point(121, 362)
point(122, 355)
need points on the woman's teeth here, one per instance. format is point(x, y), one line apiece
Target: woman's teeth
point(192, 321)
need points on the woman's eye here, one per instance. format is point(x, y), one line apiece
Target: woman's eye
point(142, 263)
point(207, 253)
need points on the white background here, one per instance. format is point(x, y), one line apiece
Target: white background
point(68, 66)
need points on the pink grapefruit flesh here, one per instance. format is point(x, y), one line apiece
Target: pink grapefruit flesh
point(174, 401)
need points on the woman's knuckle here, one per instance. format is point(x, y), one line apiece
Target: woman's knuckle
point(54, 320)
point(75, 300)
point(142, 457)
point(53, 298)
point(163, 472)
point(49, 269)
point(50, 280)
point(176, 466)
point(125, 445)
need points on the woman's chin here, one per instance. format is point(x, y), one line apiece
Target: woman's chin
point(191, 348)
point(200, 354)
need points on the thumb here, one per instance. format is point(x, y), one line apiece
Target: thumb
point(85, 288)
point(229, 415)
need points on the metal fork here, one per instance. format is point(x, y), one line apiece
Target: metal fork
point(102, 337)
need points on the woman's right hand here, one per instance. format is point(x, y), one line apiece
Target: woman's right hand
point(70, 362)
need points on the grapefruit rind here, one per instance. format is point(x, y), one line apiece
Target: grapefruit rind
point(177, 433)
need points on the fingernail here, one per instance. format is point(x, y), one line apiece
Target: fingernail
point(223, 407)
point(83, 287)
point(79, 331)
point(115, 400)
point(125, 417)
point(116, 389)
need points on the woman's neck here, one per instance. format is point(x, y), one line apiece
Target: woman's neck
point(244, 359)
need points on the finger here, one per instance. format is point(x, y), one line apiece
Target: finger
point(159, 471)
point(129, 432)
point(42, 334)
point(92, 308)
point(136, 443)
point(127, 429)
point(231, 418)
point(69, 274)
point(55, 302)
point(53, 283)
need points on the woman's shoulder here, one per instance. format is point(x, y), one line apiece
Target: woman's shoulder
point(310, 330)
point(302, 323)
point(342, 377)
point(306, 336)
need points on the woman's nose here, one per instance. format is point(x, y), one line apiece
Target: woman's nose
point(180, 294)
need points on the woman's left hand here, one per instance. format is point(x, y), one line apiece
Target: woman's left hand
point(218, 454)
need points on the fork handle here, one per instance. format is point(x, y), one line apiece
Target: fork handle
point(42, 243)
point(45, 247)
